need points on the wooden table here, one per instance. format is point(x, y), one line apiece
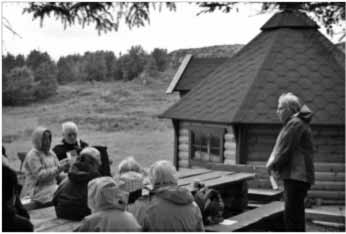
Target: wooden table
point(45, 219)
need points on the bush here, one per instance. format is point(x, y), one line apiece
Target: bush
point(161, 58)
point(18, 86)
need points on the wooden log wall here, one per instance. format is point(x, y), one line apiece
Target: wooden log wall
point(184, 148)
point(230, 147)
point(329, 159)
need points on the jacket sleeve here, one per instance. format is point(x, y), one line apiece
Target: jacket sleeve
point(287, 143)
point(36, 168)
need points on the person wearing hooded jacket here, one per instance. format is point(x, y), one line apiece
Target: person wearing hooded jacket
point(170, 208)
point(292, 158)
point(70, 199)
point(41, 168)
point(108, 203)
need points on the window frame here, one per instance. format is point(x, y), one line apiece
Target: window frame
point(208, 133)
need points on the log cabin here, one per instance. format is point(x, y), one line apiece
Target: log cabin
point(227, 111)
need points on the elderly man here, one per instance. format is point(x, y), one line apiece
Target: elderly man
point(71, 145)
point(292, 158)
point(70, 199)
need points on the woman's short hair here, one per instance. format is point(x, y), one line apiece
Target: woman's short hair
point(129, 164)
point(291, 101)
point(68, 127)
point(163, 173)
point(93, 152)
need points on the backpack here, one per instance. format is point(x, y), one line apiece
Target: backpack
point(210, 203)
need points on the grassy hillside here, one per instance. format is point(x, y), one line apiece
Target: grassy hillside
point(120, 115)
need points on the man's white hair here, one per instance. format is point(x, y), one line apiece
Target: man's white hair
point(129, 164)
point(68, 127)
point(163, 173)
point(291, 101)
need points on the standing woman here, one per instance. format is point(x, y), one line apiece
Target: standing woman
point(41, 168)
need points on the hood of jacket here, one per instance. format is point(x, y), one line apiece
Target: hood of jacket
point(105, 193)
point(80, 173)
point(175, 194)
point(37, 137)
point(305, 114)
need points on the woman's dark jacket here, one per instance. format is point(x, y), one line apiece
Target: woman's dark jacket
point(61, 149)
point(71, 198)
point(12, 222)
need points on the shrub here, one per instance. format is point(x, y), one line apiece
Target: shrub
point(18, 86)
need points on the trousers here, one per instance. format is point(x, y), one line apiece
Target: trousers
point(294, 214)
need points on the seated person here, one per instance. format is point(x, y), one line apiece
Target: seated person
point(130, 172)
point(70, 145)
point(20, 210)
point(12, 221)
point(170, 207)
point(70, 200)
point(41, 168)
point(107, 203)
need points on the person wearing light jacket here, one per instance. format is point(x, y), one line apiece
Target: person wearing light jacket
point(107, 203)
point(170, 208)
point(41, 168)
point(292, 158)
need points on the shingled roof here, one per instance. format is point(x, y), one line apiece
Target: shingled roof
point(289, 55)
point(191, 71)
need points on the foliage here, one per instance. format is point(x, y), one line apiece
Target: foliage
point(45, 76)
point(94, 67)
point(36, 58)
point(329, 14)
point(10, 61)
point(68, 69)
point(161, 58)
point(133, 63)
point(135, 14)
point(18, 86)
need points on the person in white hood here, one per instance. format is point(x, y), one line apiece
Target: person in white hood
point(107, 203)
point(42, 168)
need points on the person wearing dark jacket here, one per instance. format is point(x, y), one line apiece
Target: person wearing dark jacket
point(71, 198)
point(292, 158)
point(71, 145)
point(12, 221)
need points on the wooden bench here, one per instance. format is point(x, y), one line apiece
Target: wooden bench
point(249, 219)
point(264, 195)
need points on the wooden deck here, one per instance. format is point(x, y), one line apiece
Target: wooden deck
point(45, 220)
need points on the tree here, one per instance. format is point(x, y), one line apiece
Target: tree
point(8, 63)
point(45, 77)
point(94, 67)
point(36, 58)
point(135, 14)
point(329, 14)
point(132, 63)
point(160, 57)
point(69, 69)
point(18, 86)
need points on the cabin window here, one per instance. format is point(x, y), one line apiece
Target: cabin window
point(207, 144)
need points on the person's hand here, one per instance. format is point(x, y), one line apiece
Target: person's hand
point(64, 164)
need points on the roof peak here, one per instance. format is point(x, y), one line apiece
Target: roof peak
point(289, 18)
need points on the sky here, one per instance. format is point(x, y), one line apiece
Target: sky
point(170, 30)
